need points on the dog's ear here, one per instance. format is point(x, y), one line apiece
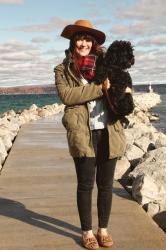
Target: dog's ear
point(111, 54)
point(101, 71)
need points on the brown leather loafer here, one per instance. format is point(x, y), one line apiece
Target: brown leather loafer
point(104, 240)
point(90, 243)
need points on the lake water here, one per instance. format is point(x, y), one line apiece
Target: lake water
point(20, 102)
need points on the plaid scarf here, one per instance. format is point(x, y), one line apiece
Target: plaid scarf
point(87, 66)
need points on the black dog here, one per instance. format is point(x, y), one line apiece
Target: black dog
point(118, 58)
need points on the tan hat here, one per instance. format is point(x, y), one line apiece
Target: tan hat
point(83, 26)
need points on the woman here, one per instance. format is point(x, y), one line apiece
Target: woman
point(95, 139)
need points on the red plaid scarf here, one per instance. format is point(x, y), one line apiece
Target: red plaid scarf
point(87, 66)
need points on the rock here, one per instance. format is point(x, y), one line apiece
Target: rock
point(44, 112)
point(10, 125)
point(3, 152)
point(137, 131)
point(7, 141)
point(33, 107)
point(122, 168)
point(146, 101)
point(26, 116)
point(152, 208)
point(156, 155)
point(154, 118)
point(160, 219)
point(158, 213)
point(6, 131)
point(146, 189)
point(49, 110)
point(142, 117)
point(155, 169)
point(143, 102)
point(161, 141)
point(133, 152)
point(143, 143)
point(149, 177)
point(9, 114)
point(129, 136)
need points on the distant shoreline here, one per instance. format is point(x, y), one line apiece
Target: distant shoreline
point(29, 94)
point(32, 89)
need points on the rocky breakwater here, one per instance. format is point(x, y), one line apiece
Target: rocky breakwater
point(11, 122)
point(142, 170)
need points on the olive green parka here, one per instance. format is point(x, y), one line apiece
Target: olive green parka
point(75, 95)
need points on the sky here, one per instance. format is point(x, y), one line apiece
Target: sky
point(31, 45)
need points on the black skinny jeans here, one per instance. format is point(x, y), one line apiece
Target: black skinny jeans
point(104, 168)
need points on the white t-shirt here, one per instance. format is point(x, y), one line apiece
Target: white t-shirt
point(98, 112)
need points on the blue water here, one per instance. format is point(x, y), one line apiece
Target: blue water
point(20, 102)
point(158, 88)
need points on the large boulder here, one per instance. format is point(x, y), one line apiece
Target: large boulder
point(143, 143)
point(3, 152)
point(133, 152)
point(33, 108)
point(43, 112)
point(27, 116)
point(160, 141)
point(122, 168)
point(5, 131)
point(147, 188)
point(156, 155)
point(10, 125)
point(149, 178)
point(49, 110)
point(7, 141)
point(146, 101)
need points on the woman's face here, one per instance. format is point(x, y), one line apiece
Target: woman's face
point(83, 46)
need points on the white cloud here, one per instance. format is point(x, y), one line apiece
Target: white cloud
point(55, 52)
point(149, 67)
point(24, 64)
point(144, 10)
point(159, 40)
point(40, 40)
point(11, 1)
point(141, 18)
point(55, 23)
point(142, 22)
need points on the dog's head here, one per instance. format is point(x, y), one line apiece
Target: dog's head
point(120, 54)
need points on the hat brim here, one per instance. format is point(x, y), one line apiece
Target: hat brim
point(70, 30)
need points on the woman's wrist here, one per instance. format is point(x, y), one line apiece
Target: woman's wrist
point(105, 85)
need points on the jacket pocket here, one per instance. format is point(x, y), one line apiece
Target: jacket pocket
point(70, 119)
point(117, 140)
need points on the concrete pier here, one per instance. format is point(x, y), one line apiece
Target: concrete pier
point(38, 198)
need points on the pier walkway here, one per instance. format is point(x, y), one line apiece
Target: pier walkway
point(37, 198)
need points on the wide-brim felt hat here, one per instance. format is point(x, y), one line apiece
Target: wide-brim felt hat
point(83, 26)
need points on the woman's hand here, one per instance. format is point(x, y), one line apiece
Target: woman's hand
point(106, 85)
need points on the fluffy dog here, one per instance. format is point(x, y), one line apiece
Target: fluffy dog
point(118, 58)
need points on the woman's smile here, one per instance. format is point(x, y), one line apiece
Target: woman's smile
point(83, 47)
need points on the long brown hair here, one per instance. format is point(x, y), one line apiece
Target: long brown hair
point(96, 49)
